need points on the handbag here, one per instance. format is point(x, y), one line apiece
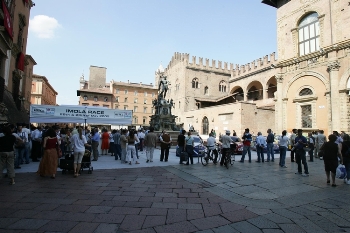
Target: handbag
point(19, 144)
point(184, 156)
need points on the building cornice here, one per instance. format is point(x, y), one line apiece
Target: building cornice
point(251, 73)
point(208, 71)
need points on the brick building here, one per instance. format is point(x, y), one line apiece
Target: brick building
point(117, 95)
point(16, 67)
point(306, 87)
point(42, 92)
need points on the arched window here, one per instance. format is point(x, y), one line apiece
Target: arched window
point(222, 86)
point(106, 99)
point(195, 83)
point(95, 98)
point(305, 91)
point(85, 97)
point(206, 92)
point(136, 120)
point(205, 126)
point(309, 34)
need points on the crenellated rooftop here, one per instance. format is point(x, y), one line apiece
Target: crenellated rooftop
point(254, 66)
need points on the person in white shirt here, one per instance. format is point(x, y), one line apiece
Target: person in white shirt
point(36, 143)
point(21, 147)
point(260, 145)
point(211, 145)
point(283, 145)
point(141, 136)
point(321, 139)
point(79, 142)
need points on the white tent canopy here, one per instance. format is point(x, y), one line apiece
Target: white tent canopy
point(79, 114)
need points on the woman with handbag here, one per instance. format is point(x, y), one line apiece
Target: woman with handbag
point(79, 142)
point(330, 158)
point(48, 164)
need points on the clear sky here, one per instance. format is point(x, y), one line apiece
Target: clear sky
point(132, 37)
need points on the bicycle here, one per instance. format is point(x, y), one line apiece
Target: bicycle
point(211, 156)
point(228, 158)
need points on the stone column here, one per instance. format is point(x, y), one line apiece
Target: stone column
point(333, 70)
point(279, 104)
point(265, 93)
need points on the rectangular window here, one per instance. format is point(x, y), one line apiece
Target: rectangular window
point(135, 109)
point(152, 94)
point(106, 106)
point(135, 93)
point(85, 104)
point(126, 99)
point(125, 107)
point(307, 47)
point(136, 120)
point(301, 35)
point(96, 105)
point(144, 110)
point(145, 101)
point(306, 33)
point(126, 92)
point(144, 121)
point(312, 45)
point(145, 93)
point(116, 106)
point(306, 116)
point(135, 100)
point(117, 91)
point(117, 99)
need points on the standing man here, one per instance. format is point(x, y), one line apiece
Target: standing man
point(292, 142)
point(321, 139)
point(150, 143)
point(311, 145)
point(95, 141)
point(141, 136)
point(28, 143)
point(247, 139)
point(181, 144)
point(117, 147)
point(314, 135)
point(226, 145)
point(165, 141)
point(269, 140)
point(260, 145)
point(300, 154)
point(36, 144)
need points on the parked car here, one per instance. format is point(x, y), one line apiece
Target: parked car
point(198, 147)
point(236, 145)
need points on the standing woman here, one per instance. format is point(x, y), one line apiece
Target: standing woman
point(105, 142)
point(111, 142)
point(330, 158)
point(283, 144)
point(7, 155)
point(79, 142)
point(131, 147)
point(189, 147)
point(49, 162)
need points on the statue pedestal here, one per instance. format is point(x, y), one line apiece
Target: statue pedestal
point(163, 119)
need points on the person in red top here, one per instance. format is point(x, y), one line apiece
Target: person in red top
point(105, 141)
point(247, 139)
point(48, 164)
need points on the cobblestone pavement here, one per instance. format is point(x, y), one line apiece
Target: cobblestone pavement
point(248, 197)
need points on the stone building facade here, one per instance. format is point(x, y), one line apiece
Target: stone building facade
point(15, 67)
point(306, 87)
point(314, 65)
point(42, 92)
point(118, 95)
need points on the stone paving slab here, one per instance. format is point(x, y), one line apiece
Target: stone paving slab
point(177, 199)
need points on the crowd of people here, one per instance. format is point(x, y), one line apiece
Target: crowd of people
point(21, 144)
point(334, 151)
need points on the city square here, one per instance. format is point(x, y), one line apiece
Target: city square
point(112, 114)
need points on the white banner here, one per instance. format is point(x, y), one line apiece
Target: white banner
point(78, 114)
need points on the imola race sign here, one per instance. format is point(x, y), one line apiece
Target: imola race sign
point(78, 114)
